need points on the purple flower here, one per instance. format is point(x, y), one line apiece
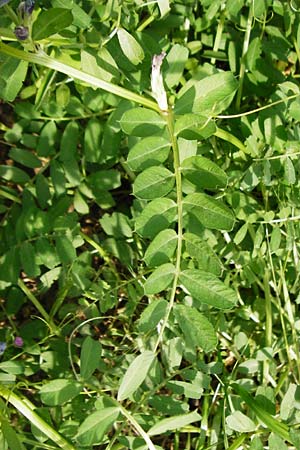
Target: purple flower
point(21, 32)
point(25, 8)
point(18, 341)
point(2, 347)
point(3, 2)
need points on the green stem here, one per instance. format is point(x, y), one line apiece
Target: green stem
point(42, 59)
point(138, 428)
point(269, 322)
point(10, 12)
point(226, 136)
point(176, 156)
point(243, 63)
point(218, 35)
point(9, 196)
point(38, 306)
point(26, 408)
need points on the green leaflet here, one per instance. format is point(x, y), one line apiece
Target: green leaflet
point(210, 212)
point(203, 173)
point(135, 374)
point(141, 122)
point(130, 47)
point(196, 327)
point(162, 248)
point(207, 288)
point(155, 217)
point(148, 152)
point(93, 428)
point(50, 22)
point(160, 279)
point(153, 182)
point(209, 96)
point(173, 423)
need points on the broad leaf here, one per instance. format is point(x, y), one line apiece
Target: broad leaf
point(89, 357)
point(148, 152)
point(13, 439)
point(155, 217)
point(273, 424)
point(130, 47)
point(135, 374)
point(196, 327)
point(210, 212)
point(194, 127)
point(162, 248)
point(14, 174)
point(65, 249)
point(153, 182)
point(152, 315)
point(141, 122)
point(50, 22)
point(203, 173)
point(25, 157)
point(28, 259)
point(94, 427)
point(209, 96)
point(176, 58)
point(164, 7)
point(207, 288)
point(174, 423)
point(10, 265)
point(160, 279)
point(58, 392)
point(237, 421)
point(200, 250)
point(12, 75)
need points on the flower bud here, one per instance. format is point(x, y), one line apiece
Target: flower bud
point(21, 32)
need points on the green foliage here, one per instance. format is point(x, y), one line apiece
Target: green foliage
point(149, 252)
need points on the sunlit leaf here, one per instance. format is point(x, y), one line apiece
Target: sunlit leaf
point(130, 47)
point(153, 182)
point(135, 374)
point(162, 248)
point(94, 427)
point(207, 288)
point(50, 22)
point(160, 279)
point(174, 423)
point(196, 327)
point(148, 152)
point(209, 211)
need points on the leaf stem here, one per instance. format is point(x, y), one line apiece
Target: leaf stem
point(43, 59)
point(138, 428)
point(176, 156)
point(38, 306)
point(26, 408)
point(243, 61)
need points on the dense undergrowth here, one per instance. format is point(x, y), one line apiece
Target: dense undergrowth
point(149, 239)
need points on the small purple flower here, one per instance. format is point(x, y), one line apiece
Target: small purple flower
point(3, 2)
point(18, 341)
point(2, 347)
point(25, 8)
point(21, 32)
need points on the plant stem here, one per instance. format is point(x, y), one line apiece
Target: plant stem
point(26, 408)
point(219, 33)
point(243, 64)
point(44, 60)
point(138, 428)
point(176, 156)
point(38, 306)
point(10, 12)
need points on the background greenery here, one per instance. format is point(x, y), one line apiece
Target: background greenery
point(149, 259)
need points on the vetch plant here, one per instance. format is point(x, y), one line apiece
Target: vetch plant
point(160, 297)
